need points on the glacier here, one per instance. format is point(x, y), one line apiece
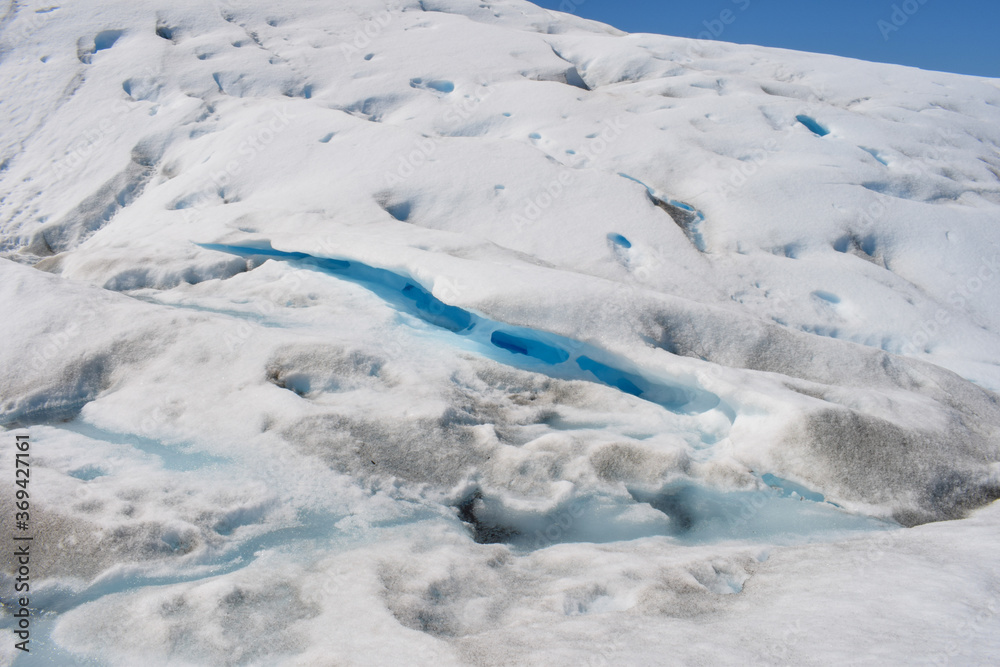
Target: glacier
point(472, 333)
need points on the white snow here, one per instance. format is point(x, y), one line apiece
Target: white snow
point(447, 332)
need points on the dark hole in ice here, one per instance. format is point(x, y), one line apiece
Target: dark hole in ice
point(436, 311)
point(829, 297)
point(87, 473)
point(612, 376)
point(166, 32)
point(875, 154)
point(573, 78)
point(813, 125)
point(528, 347)
point(869, 245)
point(681, 205)
point(483, 532)
point(787, 488)
point(684, 215)
point(106, 39)
point(619, 240)
point(675, 503)
point(438, 85)
point(441, 86)
point(401, 210)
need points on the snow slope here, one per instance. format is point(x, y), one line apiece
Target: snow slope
point(448, 332)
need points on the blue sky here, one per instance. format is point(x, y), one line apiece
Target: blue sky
point(946, 35)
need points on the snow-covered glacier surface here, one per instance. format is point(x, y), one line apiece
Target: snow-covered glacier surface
point(450, 332)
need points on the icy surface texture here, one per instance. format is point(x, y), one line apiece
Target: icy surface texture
point(446, 332)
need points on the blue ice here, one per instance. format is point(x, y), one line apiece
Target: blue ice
point(523, 347)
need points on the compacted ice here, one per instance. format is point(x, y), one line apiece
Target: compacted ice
point(448, 332)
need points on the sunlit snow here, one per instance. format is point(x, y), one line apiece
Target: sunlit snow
point(445, 332)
